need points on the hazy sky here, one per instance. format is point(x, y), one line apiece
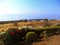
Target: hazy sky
point(22, 9)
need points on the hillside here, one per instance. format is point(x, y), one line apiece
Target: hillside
point(4, 25)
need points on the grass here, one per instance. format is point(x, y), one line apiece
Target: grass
point(20, 24)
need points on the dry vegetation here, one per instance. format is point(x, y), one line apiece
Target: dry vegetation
point(29, 23)
point(54, 40)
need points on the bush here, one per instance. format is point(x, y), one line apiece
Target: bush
point(54, 25)
point(12, 36)
point(53, 30)
point(31, 36)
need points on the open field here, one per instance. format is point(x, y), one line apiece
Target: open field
point(29, 23)
point(52, 40)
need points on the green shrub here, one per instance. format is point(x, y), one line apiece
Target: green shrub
point(2, 35)
point(58, 25)
point(12, 36)
point(31, 36)
point(54, 25)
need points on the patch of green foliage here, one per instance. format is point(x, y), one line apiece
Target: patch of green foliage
point(12, 36)
point(31, 36)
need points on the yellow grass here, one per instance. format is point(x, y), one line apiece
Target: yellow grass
point(33, 23)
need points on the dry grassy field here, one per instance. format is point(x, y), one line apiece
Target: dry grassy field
point(54, 40)
point(20, 24)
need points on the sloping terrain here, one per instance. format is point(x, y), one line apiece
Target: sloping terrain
point(54, 40)
point(29, 23)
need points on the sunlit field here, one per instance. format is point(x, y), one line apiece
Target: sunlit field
point(29, 22)
point(40, 27)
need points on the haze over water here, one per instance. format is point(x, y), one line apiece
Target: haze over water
point(29, 9)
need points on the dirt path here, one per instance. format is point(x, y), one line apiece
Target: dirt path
point(54, 40)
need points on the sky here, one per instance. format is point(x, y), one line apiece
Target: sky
point(29, 9)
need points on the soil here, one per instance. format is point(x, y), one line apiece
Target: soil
point(53, 40)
